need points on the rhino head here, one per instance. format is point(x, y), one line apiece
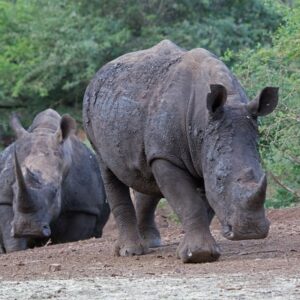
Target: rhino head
point(41, 161)
point(235, 183)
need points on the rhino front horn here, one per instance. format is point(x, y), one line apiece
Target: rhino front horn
point(259, 194)
point(23, 200)
point(19, 175)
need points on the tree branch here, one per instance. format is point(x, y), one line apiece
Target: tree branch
point(294, 159)
point(284, 186)
point(10, 106)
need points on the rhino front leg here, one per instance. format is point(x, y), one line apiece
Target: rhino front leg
point(9, 243)
point(129, 242)
point(145, 206)
point(182, 192)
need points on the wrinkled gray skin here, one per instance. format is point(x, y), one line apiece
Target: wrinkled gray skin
point(50, 186)
point(177, 124)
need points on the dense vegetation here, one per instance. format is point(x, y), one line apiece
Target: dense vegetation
point(49, 50)
point(278, 65)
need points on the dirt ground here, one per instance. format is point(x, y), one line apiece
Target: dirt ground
point(267, 269)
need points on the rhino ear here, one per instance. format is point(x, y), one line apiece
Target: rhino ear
point(216, 98)
point(265, 102)
point(17, 127)
point(67, 127)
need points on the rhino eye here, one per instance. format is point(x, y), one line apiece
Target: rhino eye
point(53, 192)
point(33, 178)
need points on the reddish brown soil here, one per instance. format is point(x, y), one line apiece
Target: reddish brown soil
point(279, 253)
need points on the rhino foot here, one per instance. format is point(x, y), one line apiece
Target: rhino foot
point(150, 236)
point(130, 249)
point(196, 249)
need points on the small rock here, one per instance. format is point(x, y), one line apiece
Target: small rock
point(54, 267)
point(150, 273)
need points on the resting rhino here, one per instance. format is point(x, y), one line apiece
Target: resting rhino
point(50, 186)
point(177, 124)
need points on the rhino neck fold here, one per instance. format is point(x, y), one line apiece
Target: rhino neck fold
point(195, 127)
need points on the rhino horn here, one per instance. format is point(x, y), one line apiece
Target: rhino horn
point(23, 201)
point(258, 195)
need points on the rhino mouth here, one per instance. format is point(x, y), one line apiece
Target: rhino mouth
point(44, 232)
point(246, 233)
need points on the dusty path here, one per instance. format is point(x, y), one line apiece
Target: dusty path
point(261, 269)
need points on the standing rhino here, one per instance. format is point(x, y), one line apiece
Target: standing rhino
point(177, 124)
point(50, 186)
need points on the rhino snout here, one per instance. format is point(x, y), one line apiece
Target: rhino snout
point(31, 230)
point(248, 230)
point(46, 231)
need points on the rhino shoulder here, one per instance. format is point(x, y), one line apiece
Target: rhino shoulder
point(166, 47)
point(83, 188)
point(209, 69)
point(84, 163)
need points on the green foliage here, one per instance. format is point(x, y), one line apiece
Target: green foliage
point(216, 25)
point(167, 211)
point(49, 50)
point(279, 65)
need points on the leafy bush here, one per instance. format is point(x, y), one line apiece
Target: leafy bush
point(49, 50)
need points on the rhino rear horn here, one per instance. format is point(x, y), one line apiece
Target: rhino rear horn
point(17, 127)
point(66, 128)
point(23, 199)
point(216, 98)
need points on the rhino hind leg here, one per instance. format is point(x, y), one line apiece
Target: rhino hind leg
point(145, 206)
point(129, 242)
point(188, 200)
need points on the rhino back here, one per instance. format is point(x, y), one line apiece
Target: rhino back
point(83, 189)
